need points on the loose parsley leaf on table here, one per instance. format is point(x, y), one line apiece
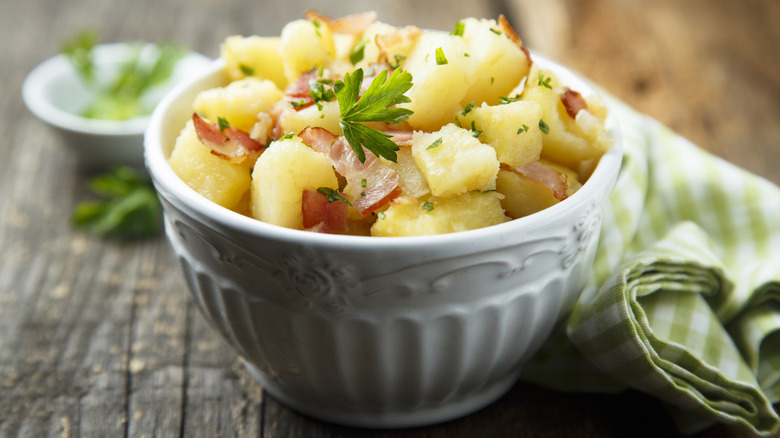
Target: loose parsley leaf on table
point(128, 207)
point(375, 105)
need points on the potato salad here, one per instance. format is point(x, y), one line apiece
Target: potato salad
point(355, 126)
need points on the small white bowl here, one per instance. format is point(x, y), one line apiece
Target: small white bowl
point(379, 332)
point(54, 92)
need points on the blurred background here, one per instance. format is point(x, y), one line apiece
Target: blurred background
point(87, 330)
point(710, 69)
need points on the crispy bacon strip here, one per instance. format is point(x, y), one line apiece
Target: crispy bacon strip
point(353, 24)
point(322, 216)
point(504, 26)
point(370, 185)
point(573, 102)
point(401, 138)
point(230, 144)
point(553, 179)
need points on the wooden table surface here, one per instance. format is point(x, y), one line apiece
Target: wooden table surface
point(99, 337)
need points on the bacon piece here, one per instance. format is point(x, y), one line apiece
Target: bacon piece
point(401, 138)
point(353, 24)
point(504, 26)
point(322, 216)
point(370, 185)
point(553, 179)
point(405, 36)
point(573, 102)
point(230, 144)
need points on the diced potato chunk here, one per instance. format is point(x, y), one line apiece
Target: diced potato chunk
point(512, 129)
point(293, 120)
point(216, 179)
point(524, 196)
point(305, 45)
point(254, 56)
point(566, 142)
point(414, 217)
point(440, 82)
point(412, 181)
point(239, 102)
point(500, 63)
point(453, 161)
point(281, 174)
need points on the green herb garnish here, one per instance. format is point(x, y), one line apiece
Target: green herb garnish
point(544, 82)
point(222, 123)
point(440, 58)
point(332, 195)
point(121, 97)
point(459, 28)
point(435, 144)
point(467, 108)
point(320, 91)
point(544, 127)
point(427, 206)
point(375, 105)
point(474, 130)
point(247, 70)
point(129, 207)
point(506, 100)
point(522, 129)
point(358, 52)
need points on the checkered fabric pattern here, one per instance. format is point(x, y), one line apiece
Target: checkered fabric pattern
point(684, 301)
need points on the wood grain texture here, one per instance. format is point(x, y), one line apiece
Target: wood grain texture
point(100, 338)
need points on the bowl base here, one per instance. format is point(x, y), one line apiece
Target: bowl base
point(391, 418)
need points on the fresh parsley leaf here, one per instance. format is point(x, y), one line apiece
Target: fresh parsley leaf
point(287, 136)
point(427, 206)
point(544, 81)
point(467, 108)
point(78, 50)
point(377, 104)
point(129, 207)
point(474, 130)
point(121, 97)
point(440, 58)
point(459, 28)
point(435, 144)
point(495, 31)
point(222, 123)
point(247, 70)
point(332, 195)
point(321, 90)
point(544, 127)
point(522, 129)
point(358, 52)
point(506, 100)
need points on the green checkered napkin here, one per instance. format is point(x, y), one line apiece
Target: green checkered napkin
point(684, 303)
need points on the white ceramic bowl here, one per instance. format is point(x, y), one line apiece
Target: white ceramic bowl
point(54, 93)
point(378, 332)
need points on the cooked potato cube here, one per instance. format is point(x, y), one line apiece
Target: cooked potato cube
point(281, 174)
point(239, 102)
point(412, 181)
point(511, 129)
point(566, 142)
point(254, 56)
point(524, 196)
point(417, 217)
point(453, 161)
point(217, 179)
point(500, 63)
point(327, 117)
point(305, 45)
point(442, 70)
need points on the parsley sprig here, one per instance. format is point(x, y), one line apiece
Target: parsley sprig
point(377, 104)
point(128, 207)
point(121, 96)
